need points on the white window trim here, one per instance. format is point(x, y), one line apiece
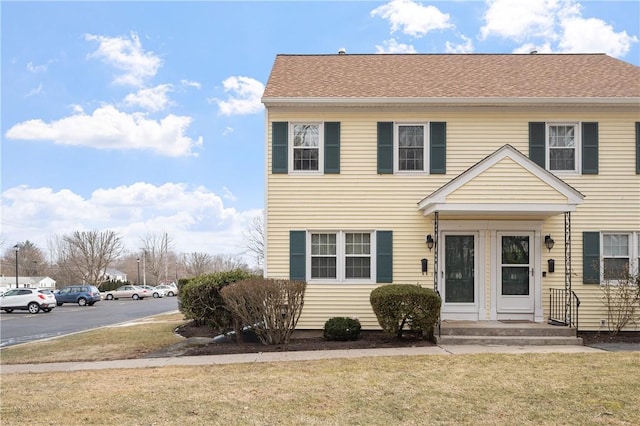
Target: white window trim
point(634, 241)
point(320, 170)
point(341, 257)
point(578, 157)
point(396, 148)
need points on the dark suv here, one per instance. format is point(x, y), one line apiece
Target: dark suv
point(82, 294)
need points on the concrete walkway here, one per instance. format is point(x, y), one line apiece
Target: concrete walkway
point(263, 357)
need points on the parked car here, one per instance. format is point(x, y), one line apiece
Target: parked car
point(81, 294)
point(28, 299)
point(155, 292)
point(127, 291)
point(169, 290)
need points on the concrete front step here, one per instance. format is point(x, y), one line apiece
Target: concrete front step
point(508, 340)
point(540, 331)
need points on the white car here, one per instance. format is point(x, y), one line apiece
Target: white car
point(127, 291)
point(169, 290)
point(155, 292)
point(28, 299)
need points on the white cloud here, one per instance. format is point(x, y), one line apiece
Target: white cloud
point(412, 18)
point(194, 217)
point(127, 55)
point(35, 91)
point(227, 194)
point(109, 128)
point(244, 96)
point(36, 68)
point(189, 83)
point(519, 19)
point(151, 99)
point(553, 26)
point(227, 131)
point(392, 46)
point(465, 47)
point(594, 35)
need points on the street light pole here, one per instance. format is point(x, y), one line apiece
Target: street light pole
point(16, 248)
point(138, 260)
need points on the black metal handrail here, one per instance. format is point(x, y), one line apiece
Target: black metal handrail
point(563, 308)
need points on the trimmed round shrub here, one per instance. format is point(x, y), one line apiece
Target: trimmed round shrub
point(342, 328)
point(400, 305)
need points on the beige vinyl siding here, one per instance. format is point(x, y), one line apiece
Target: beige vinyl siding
point(490, 185)
point(360, 199)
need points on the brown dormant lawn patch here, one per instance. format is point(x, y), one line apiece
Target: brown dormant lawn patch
point(489, 389)
point(122, 342)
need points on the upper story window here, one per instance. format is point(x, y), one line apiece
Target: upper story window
point(562, 147)
point(410, 145)
point(307, 147)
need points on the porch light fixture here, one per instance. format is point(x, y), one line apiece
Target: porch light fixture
point(429, 241)
point(548, 242)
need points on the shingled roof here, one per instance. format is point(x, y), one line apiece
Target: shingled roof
point(443, 77)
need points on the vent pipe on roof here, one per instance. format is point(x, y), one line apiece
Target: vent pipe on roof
point(342, 51)
point(533, 52)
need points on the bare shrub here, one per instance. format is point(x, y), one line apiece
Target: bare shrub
point(271, 307)
point(621, 298)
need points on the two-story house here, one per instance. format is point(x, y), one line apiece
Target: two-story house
point(497, 179)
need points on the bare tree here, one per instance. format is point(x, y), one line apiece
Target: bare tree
point(254, 239)
point(155, 250)
point(228, 262)
point(87, 254)
point(31, 261)
point(197, 264)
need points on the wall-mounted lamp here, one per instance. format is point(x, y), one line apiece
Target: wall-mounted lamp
point(430, 242)
point(548, 242)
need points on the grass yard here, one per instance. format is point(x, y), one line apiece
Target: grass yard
point(122, 342)
point(529, 389)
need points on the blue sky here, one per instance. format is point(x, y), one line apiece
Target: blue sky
point(145, 117)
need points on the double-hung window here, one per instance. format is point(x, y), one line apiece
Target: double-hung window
point(620, 255)
point(563, 147)
point(341, 256)
point(307, 147)
point(411, 146)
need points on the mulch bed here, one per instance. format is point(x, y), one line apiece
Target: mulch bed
point(368, 340)
point(593, 337)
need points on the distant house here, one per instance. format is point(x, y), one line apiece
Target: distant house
point(499, 180)
point(115, 275)
point(27, 282)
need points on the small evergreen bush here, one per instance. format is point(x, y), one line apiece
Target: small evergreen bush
point(397, 305)
point(200, 299)
point(342, 328)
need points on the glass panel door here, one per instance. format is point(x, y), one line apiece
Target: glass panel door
point(515, 273)
point(459, 262)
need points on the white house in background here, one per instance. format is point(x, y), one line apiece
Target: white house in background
point(115, 275)
point(28, 282)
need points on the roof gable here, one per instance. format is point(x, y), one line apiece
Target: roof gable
point(439, 77)
point(530, 188)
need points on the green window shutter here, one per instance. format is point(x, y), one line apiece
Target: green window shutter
point(332, 148)
point(638, 148)
point(438, 140)
point(280, 150)
point(297, 255)
point(385, 148)
point(384, 256)
point(591, 258)
point(589, 148)
point(537, 143)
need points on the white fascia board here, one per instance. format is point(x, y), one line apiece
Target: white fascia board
point(501, 208)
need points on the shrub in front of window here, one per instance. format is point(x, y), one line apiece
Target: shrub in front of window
point(342, 328)
point(621, 297)
point(400, 305)
point(270, 307)
point(200, 299)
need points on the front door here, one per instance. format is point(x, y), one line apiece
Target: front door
point(459, 281)
point(515, 275)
